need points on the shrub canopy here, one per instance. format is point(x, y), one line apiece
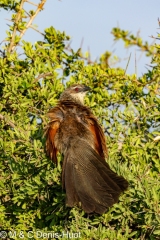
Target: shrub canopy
point(31, 195)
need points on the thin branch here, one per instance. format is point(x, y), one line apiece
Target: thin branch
point(11, 46)
point(11, 124)
point(89, 56)
point(36, 30)
point(42, 76)
point(9, 20)
point(68, 48)
point(127, 63)
point(7, 121)
point(29, 15)
point(81, 45)
point(157, 38)
point(32, 3)
point(118, 61)
point(39, 8)
point(135, 63)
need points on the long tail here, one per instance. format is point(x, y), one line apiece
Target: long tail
point(88, 179)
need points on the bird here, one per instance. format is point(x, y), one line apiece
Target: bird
point(74, 131)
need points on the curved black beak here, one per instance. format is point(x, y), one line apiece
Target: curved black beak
point(86, 88)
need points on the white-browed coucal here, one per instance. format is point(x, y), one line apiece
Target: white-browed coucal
point(75, 132)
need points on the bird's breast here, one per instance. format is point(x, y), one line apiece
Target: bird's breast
point(71, 129)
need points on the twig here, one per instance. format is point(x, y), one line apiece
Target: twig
point(9, 20)
point(89, 56)
point(152, 230)
point(39, 8)
point(11, 46)
point(81, 45)
point(8, 122)
point(68, 48)
point(135, 64)
point(32, 3)
point(36, 30)
point(127, 63)
point(42, 76)
point(29, 15)
point(157, 38)
point(118, 61)
point(11, 124)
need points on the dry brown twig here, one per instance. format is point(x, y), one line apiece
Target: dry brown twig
point(15, 27)
point(39, 8)
point(31, 26)
point(12, 46)
point(32, 3)
point(10, 123)
point(43, 75)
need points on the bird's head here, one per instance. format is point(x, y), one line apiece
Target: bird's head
point(76, 92)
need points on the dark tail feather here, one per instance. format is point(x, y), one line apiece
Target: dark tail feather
point(88, 179)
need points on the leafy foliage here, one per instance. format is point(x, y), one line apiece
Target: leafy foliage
point(31, 196)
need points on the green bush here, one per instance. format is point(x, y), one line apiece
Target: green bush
point(31, 195)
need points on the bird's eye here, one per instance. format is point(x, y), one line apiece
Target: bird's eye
point(76, 89)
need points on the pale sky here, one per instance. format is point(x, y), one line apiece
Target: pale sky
point(92, 21)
